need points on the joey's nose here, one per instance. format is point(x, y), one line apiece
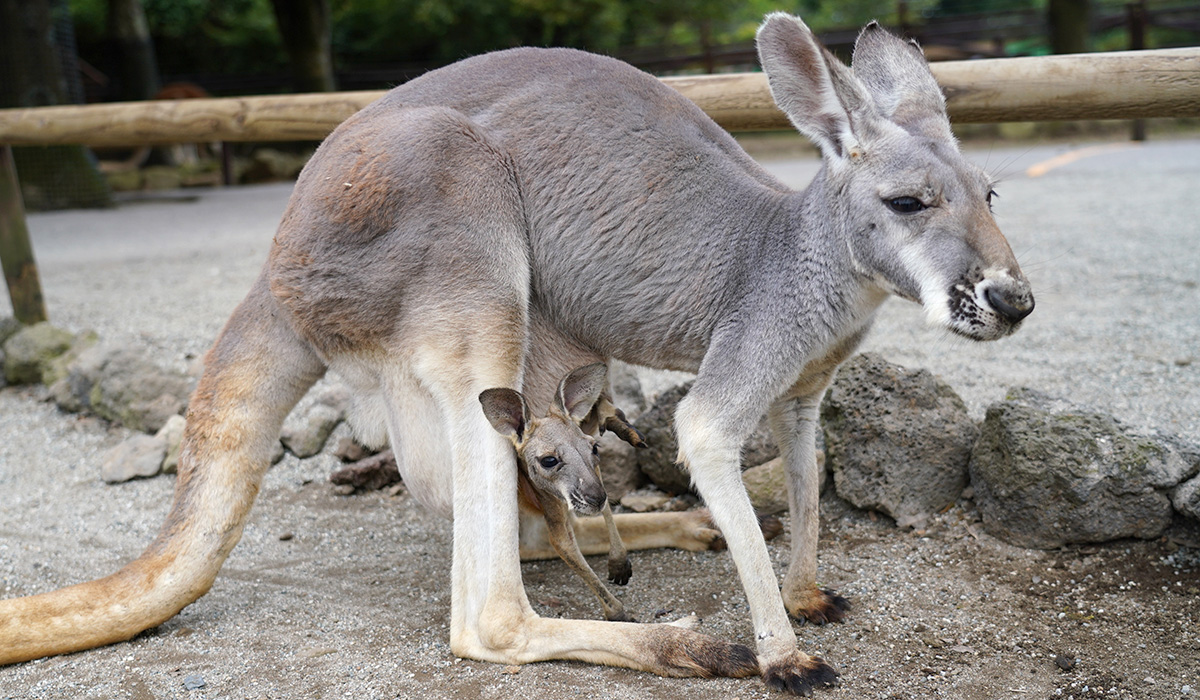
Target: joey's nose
point(1014, 307)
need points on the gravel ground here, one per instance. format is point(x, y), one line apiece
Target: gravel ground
point(347, 597)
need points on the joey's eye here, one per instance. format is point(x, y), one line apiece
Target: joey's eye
point(595, 448)
point(548, 462)
point(905, 205)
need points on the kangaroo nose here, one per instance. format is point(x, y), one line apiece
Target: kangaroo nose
point(1015, 308)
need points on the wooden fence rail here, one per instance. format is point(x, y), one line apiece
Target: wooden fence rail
point(1125, 85)
point(1118, 85)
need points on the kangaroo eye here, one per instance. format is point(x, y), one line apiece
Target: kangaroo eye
point(548, 462)
point(595, 448)
point(990, 194)
point(905, 205)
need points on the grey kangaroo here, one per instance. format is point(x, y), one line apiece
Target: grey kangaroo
point(560, 468)
point(431, 227)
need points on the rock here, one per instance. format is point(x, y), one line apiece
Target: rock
point(767, 486)
point(618, 467)
point(1046, 473)
point(278, 452)
point(29, 351)
point(271, 165)
point(369, 474)
point(760, 447)
point(1186, 498)
point(8, 328)
point(73, 391)
point(60, 367)
point(120, 383)
point(172, 435)
point(139, 456)
point(644, 501)
point(305, 431)
point(657, 462)
point(193, 682)
point(626, 389)
point(897, 440)
point(137, 393)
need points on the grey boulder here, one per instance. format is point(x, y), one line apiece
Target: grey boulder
point(897, 440)
point(1046, 473)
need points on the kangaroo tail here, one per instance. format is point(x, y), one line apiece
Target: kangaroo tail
point(254, 374)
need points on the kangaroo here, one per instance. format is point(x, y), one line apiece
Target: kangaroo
point(430, 226)
point(559, 470)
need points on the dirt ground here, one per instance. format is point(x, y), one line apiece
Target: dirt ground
point(332, 596)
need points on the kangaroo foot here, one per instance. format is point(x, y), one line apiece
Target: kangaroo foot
point(799, 674)
point(818, 605)
point(620, 570)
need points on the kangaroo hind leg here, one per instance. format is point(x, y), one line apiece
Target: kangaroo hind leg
point(254, 374)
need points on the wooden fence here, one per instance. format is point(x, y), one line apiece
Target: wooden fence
point(1119, 85)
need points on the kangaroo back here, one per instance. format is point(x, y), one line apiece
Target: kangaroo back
point(434, 231)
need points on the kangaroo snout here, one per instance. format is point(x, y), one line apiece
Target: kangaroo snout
point(588, 501)
point(1013, 304)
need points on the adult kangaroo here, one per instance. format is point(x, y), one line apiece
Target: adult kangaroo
point(573, 195)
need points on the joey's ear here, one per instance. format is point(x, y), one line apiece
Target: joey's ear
point(507, 412)
point(816, 91)
point(580, 390)
point(897, 77)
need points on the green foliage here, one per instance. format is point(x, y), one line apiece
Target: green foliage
point(240, 36)
point(194, 36)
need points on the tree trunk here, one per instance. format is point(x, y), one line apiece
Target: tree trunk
point(135, 64)
point(1068, 20)
point(37, 68)
point(304, 27)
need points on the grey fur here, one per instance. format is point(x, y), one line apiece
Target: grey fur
point(512, 214)
point(646, 234)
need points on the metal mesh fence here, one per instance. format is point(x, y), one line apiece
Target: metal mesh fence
point(39, 67)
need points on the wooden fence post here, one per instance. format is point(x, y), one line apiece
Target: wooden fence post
point(1135, 19)
point(16, 253)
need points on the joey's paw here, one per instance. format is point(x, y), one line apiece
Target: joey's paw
point(620, 571)
point(704, 531)
point(819, 606)
point(770, 525)
point(799, 674)
point(619, 616)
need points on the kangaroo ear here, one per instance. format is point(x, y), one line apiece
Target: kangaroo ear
point(817, 92)
point(580, 390)
point(897, 77)
point(507, 412)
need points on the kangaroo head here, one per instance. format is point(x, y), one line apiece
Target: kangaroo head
point(558, 457)
point(914, 214)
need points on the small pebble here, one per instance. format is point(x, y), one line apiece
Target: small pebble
point(286, 536)
point(1185, 690)
point(193, 682)
point(1066, 663)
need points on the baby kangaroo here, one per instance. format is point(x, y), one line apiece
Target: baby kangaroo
point(558, 462)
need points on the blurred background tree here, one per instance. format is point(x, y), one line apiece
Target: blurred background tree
point(38, 69)
point(257, 46)
point(134, 65)
point(304, 29)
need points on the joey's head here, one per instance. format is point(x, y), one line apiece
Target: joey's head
point(914, 214)
point(560, 460)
